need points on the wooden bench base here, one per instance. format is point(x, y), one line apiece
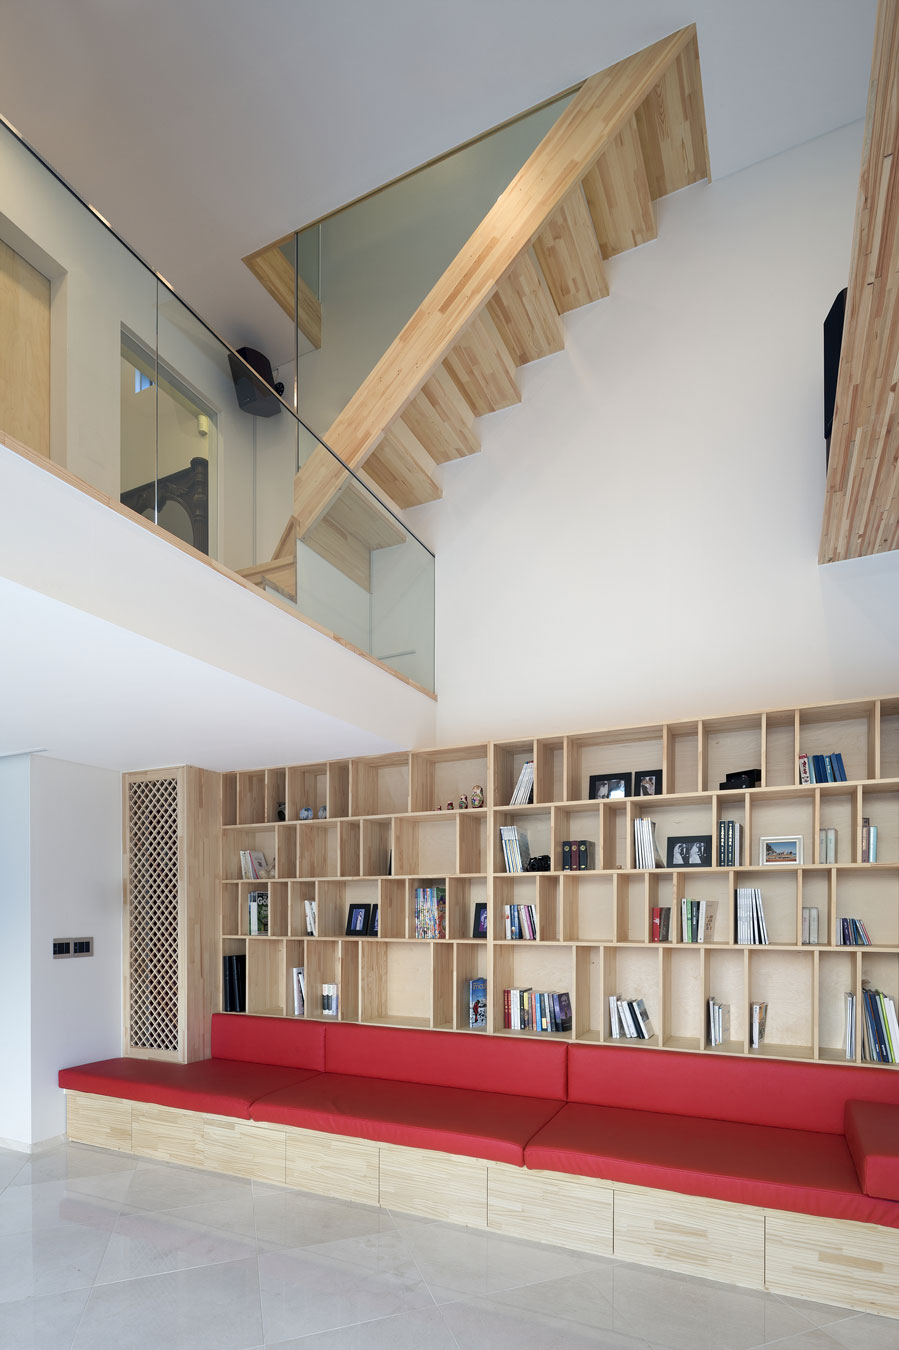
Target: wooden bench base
point(854, 1265)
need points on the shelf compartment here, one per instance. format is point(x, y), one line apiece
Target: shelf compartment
point(392, 908)
point(889, 738)
point(338, 789)
point(265, 976)
point(869, 893)
point(335, 899)
point(423, 883)
point(229, 799)
point(235, 841)
point(780, 765)
point(849, 729)
point(879, 970)
point(785, 981)
point(376, 845)
point(230, 893)
point(785, 815)
point(631, 973)
point(523, 965)
point(275, 794)
point(724, 979)
point(425, 845)
point(251, 797)
point(730, 745)
point(318, 853)
point(698, 883)
point(632, 901)
point(333, 962)
point(462, 894)
point(838, 811)
point(780, 901)
point(731, 807)
point(294, 956)
point(682, 757)
point(396, 982)
point(307, 785)
point(533, 888)
point(534, 825)
point(508, 760)
point(816, 892)
point(298, 893)
point(577, 823)
point(549, 770)
point(838, 975)
point(379, 786)
point(438, 777)
point(471, 963)
point(608, 752)
point(348, 848)
point(682, 818)
point(472, 842)
point(682, 1003)
point(231, 946)
point(277, 892)
point(588, 907)
point(881, 806)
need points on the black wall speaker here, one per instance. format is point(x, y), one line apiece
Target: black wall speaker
point(255, 386)
point(833, 342)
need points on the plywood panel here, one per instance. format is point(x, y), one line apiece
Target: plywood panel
point(437, 1185)
point(671, 126)
point(440, 417)
point(570, 1211)
point(402, 467)
point(104, 1122)
point(167, 1133)
point(525, 314)
point(691, 1234)
point(617, 193)
point(481, 366)
point(331, 1165)
point(833, 1261)
point(569, 255)
point(244, 1149)
point(24, 352)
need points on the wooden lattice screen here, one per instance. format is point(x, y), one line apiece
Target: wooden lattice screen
point(154, 913)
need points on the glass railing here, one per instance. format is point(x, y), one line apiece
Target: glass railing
point(147, 404)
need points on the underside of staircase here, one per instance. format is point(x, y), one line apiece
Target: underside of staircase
point(631, 135)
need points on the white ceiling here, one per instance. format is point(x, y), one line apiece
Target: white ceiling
point(204, 129)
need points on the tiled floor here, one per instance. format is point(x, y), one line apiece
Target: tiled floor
point(100, 1250)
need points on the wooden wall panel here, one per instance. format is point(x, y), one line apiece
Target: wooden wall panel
point(834, 1261)
point(437, 1185)
point(568, 1211)
point(24, 352)
point(104, 1122)
point(691, 1234)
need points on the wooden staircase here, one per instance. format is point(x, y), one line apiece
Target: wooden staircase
point(632, 134)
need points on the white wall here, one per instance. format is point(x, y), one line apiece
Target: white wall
point(638, 538)
point(15, 939)
point(76, 891)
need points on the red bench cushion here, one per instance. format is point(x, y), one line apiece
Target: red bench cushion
point(221, 1086)
point(724, 1087)
point(497, 1064)
point(872, 1133)
point(294, 1042)
point(454, 1120)
point(800, 1170)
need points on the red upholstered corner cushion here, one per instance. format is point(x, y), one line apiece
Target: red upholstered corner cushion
point(502, 1064)
point(872, 1133)
point(291, 1041)
point(223, 1087)
point(478, 1124)
point(798, 1170)
point(724, 1087)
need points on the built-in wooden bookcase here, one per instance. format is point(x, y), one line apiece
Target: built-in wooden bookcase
point(393, 823)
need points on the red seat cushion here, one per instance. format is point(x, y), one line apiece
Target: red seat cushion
point(496, 1064)
point(454, 1120)
point(223, 1087)
point(295, 1042)
point(872, 1133)
point(725, 1087)
point(800, 1170)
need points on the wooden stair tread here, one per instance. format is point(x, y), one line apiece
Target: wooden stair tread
point(279, 278)
point(524, 312)
point(402, 467)
point(440, 417)
point(569, 254)
point(618, 196)
point(671, 126)
point(482, 367)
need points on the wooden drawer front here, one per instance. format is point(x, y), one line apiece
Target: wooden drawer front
point(104, 1122)
point(167, 1133)
point(329, 1165)
point(833, 1261)
point(689, 1233)
point(438, 1185)
point(546, 1207)
point(244, 1149)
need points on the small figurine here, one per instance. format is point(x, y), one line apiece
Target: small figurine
point(463, 802)
point(282, 810)
point(450, 806)
point(306, 813)
point(477, 795)
point(440, 807)
point(323, 813)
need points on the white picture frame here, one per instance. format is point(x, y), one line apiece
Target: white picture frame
point(780, 850)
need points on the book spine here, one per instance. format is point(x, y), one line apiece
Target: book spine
point(804, 769)
point(656, 924)
point(566, 855)
point(583, 852)
point(722, 843)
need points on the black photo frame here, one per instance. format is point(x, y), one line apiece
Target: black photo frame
point(606, 786)
point(479, 925)
point(648, 783)
point(358, 920)
point(689, 850)
point(373, 924)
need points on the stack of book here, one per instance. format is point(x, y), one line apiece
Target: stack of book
point(524, 788)
point(577, 855)
point(257, 917)
point(852, 933)
point(253, 864)
point(730, 843)
point(430, 912)
point(719, 1022)
point(477, 1002)
point(661, 923)
point(515, 848)
point(821, 769)
point(751, 927)
point(234, 984)
point(809, 925)
point(329, 1000)
point(311, 909)
point(849, 1041)
point(869, 840)
point(697, 919)
point(827, 846)
point(528, 1010)
point(880, 1031)
point(646, 848)
point(298, 984)
point(628, 1017)
point(758, 1016)
point(521, 922)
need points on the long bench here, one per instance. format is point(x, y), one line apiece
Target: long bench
point(765, 1173)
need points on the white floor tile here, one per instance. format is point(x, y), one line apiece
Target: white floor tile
point(49, 1262)
point(151, 1243)
point(407, 1331)
point(46, 1323)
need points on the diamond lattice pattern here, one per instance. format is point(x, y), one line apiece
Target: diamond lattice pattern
point(153, 891)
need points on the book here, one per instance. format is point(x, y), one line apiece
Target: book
point(584, 850)
point(849, 1038)
point(839, 768)
point(524, 788)
point(614, 1018)
point(751, 928)
point(515, 848)
point(758, 1016)
point(866, 838)
point(665, 933)
point(566, 855)
point(298, 984)
point(646, 1028)
point(575, 855)
point(719, 1022)
point(234, 983)
point(329, 1000)
point(430, 912)
point(809, 936)
point(257, 917)
point(645, 847)
point(804, 776)
point(311, 919)
point(872, 844)
point(477, 1002)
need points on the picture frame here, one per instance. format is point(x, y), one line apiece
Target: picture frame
point(606, 786)
point(479, 924)
point(373, 922)
point(358, 920)
point(648, 783)
point(689, 850)
point(780, 850)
